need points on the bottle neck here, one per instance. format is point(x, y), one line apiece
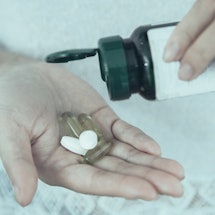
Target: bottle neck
point(140, 40)
point(133, 65)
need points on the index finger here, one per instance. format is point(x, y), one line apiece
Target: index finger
point(197, 19)
point(124, 132)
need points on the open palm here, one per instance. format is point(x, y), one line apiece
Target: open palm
point(32, 96)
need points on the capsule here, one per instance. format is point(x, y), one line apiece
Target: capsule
point(102, 149)
point(73, 123)
point(73, 126)
point(88, 124)
point(64, 128)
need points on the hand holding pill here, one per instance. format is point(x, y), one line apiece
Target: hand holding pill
point(86, 137)
point(33, 95)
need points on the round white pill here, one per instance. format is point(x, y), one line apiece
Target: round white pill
point(88, 139)
point(73, 145)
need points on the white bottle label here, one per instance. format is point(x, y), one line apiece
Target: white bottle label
point(167, 83)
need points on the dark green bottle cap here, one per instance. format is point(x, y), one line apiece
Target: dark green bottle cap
point(114, 69)
point(113, 64)
point(70, 55)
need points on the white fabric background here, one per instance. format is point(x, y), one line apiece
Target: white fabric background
point(184, 127)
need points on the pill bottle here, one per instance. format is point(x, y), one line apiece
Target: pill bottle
point(135, 65)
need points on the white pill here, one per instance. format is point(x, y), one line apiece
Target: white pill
point(73, 145)
point(88, 139)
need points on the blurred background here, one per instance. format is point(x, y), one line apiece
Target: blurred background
point(184, 127)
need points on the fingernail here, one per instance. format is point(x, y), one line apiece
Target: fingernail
point(171, 53)
point(185, 72)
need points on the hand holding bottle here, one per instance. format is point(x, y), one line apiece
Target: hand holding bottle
point(193, 41)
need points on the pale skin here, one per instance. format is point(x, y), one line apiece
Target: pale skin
point(33, 94)
point(193, 41)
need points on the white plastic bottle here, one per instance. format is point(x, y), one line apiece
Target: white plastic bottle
point(135, 65)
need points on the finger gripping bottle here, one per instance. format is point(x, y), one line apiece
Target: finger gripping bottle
point(135, 65)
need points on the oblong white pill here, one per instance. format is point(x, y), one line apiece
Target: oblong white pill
point(73, 145)
point(88, 139)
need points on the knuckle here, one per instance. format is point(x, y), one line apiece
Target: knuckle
point(130, 156)
point(200, 53)
point(185, 33)
point(197, 54)
point(198, 57)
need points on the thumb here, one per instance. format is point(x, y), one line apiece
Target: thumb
point(15, 152)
